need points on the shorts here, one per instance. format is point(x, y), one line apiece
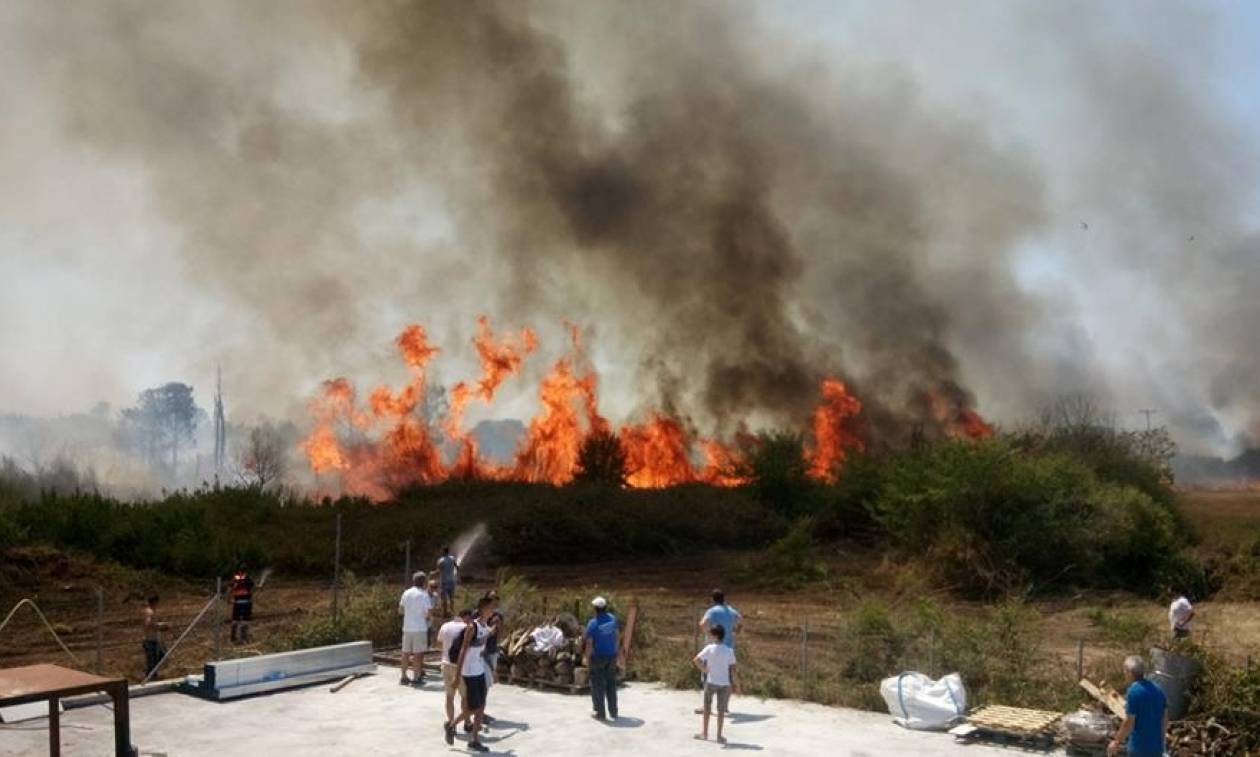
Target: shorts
point(492, 668)
point(415, 642)
point(1181, 633)
point(475, 692)
point(723, 697)
point(448, 591)
point(451, 680)
point(242, 611)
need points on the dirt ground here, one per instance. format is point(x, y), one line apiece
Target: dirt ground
point(787, 630)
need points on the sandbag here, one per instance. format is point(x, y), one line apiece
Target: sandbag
point(918, 702)
point(1085, 728)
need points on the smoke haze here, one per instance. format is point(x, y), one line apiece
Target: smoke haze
point(1001, 206)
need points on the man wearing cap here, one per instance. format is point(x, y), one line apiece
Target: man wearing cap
point(603, 658)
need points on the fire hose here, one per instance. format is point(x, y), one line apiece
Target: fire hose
point(35, 607)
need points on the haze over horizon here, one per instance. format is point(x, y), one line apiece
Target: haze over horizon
point(1021, 201)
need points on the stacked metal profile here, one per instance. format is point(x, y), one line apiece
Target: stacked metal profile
point(228, 679)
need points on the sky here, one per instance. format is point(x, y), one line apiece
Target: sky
point(1136, 130)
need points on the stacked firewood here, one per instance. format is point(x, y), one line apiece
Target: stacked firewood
point(561, 665)
point(1201, 737)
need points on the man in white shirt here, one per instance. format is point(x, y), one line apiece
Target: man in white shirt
point(1180, 613)
point(415, 606)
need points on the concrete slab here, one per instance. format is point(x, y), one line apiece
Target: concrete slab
point(376, 716)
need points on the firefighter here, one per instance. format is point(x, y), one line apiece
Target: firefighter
point(241, 591)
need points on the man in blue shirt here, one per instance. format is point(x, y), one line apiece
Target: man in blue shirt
point(603, 657)
point(722, 614)
point(448, 569)
point(1147, 714)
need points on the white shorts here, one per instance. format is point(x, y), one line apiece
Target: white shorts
point(415, 642)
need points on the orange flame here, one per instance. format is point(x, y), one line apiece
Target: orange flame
point(549, 452)
point(499, 360)
point(956, 420)
point(657, 453)
point(387, 445)
point(833, 437)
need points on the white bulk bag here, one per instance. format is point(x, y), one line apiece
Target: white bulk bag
point(916, 701)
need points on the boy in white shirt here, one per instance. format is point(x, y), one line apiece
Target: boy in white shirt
point(717, 662)
point(415, 607)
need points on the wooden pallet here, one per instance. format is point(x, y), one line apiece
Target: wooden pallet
point(1000, 718)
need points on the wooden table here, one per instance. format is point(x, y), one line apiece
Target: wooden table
point(50, 683)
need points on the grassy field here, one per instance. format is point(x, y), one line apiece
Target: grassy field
point(828, 641)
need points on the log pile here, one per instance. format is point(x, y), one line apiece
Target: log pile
point(561, 666)
point(1201, 737)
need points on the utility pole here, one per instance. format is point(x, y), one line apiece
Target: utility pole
point(1148, 412)
point(220, 428)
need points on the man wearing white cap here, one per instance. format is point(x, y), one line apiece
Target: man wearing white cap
point(603, 657)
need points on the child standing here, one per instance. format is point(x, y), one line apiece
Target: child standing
point(717, 662)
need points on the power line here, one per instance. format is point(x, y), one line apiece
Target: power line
point(1148, 412)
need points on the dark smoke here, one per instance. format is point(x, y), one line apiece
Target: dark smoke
point(734, 217)
point(699, 215)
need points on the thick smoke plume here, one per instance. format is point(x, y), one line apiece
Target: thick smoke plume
point(735, 216)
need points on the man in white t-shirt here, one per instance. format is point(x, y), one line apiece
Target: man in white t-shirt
point(1180, 613)
point(717, 662)
point(415, 606)
point(450, 639)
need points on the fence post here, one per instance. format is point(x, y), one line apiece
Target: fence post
point(337, 575)
point(931, 652)
point(804, 657)
point(1080, 659)
point(100, 630)
point(407, 563)
point(218, 618)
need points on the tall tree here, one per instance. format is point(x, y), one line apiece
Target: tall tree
point(163, 420)
point(601, 460)
point(265, 458)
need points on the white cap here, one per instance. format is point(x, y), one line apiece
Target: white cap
point(599, 602)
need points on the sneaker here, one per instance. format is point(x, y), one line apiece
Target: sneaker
point(721, 739)
point(477, 746)
point(467, 726)
point(487, 719)
point(404, 681)
point(418, 682)
point(612, 716)
point(699, 711)
point(450, 733)
point(598, 716)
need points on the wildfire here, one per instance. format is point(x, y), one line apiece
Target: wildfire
point(657, 453)
point(389, 443)
point(956, 419)
point(834, 436)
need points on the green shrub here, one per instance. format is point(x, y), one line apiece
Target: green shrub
point(776, 466)
point(844, 509)
point(993, 518)
point(1125, 628)
point(790, 562)
point(367, 612)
